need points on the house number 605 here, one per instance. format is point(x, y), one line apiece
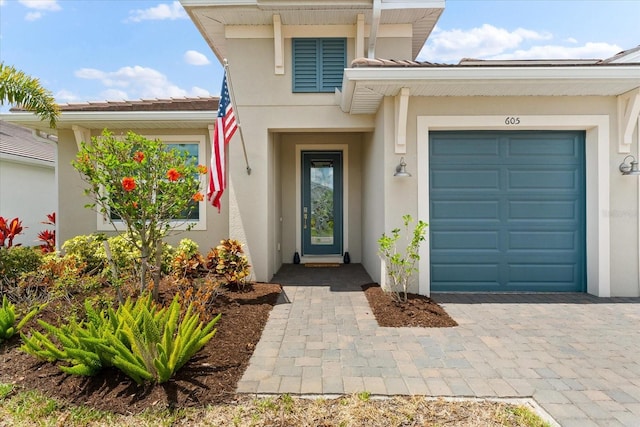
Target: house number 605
point(512, 121)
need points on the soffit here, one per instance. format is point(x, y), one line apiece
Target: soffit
point(362, 92)
point(211, 17)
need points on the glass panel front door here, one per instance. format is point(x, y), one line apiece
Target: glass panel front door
point(322, 202)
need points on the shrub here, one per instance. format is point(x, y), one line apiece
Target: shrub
point(9, 230)
point(141, 339)
point(187, 261)
point(8, 327)
point(86, 249)
point(229, 262)
point(401, 266)
point(15, 262)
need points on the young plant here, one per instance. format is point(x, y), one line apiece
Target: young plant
point(141, 184)
point(401, 266)
point(8, 327)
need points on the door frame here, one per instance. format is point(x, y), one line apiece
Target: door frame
point(344, 148)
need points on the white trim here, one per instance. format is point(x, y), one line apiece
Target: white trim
point(345, 198)
point(360, 36)
point(104, 225)
point(401, 109)
point(278, 44)
point(597, 171)
point(628, 115)
point(82, 135)
point(338, 30)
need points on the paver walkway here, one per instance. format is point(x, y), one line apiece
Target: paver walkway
point(578, 356)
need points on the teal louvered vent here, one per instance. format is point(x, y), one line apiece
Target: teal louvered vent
point(318, 64)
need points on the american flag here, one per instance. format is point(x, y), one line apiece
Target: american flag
point(223, 130)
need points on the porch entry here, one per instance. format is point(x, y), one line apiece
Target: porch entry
point(322, 202)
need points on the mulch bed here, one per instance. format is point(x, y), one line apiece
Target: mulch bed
point(418, 311)
point(211, 376)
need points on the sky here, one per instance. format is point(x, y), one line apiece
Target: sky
point(96, 50)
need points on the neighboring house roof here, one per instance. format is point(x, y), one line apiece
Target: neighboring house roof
point(18, 143)
point(629, 55)
point(174, 113)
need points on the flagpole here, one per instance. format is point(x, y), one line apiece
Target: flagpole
point(235, 110)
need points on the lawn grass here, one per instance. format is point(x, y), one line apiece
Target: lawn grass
point(31, 408)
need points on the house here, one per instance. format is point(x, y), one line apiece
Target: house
point(514, 164)
point(27, 179)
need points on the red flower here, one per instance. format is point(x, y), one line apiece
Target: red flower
point(202, 169)
point(135, 205)
point(138, 156)
point(173, 174)
point(198, 197)
point(128, 183)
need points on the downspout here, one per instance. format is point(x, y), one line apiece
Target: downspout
point(36, 135)
point(375, 24)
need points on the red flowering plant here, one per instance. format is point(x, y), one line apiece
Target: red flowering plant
point(8, 231)
point(142, 185)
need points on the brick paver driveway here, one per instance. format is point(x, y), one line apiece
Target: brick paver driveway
point(578, 356)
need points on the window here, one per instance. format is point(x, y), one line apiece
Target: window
point(318, 64)
point(194, 146)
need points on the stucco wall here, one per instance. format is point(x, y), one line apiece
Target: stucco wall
point(74, 219)
point(28, 193)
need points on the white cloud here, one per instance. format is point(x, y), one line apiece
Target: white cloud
point(194, 57)
point(586, 51)
point(479, 42)
point(137, 82)
point(49, 5)
point(2, 2)
point(162, 11)
point(66, 96)
point(33, 16)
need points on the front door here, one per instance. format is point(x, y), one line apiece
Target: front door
point(321, 203)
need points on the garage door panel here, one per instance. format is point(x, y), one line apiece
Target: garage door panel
point(474, 209)
point(465, 240)
point(469, 179)
point(542, 240)
point(511, 222)
point(543, 210)
point(544, 146)
point(541, 179)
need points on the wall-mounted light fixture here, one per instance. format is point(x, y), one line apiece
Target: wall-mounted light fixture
point(401, 169)
point(630, 168)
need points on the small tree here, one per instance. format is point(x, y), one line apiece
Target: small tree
point(140, 183)
point(401, 266)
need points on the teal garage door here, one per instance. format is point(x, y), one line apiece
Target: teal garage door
point(507, 211)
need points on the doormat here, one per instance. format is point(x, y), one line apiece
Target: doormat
point(322, 264)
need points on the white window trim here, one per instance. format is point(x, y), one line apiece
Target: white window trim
point(104, 225)
point(597, 171)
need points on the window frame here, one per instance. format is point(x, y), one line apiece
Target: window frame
point(103, 223)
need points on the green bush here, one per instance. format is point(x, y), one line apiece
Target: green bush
point(141, 339)
point(8, 327)
point(15, 262)
point(86, 249)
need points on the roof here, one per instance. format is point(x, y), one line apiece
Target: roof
point(172, 104)
point(18, 143)
point(368, 81)
point(629, 55)
point(174, 113)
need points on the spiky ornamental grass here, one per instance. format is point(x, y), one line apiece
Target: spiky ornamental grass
point(144, 341)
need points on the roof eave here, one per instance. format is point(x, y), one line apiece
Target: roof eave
point(362, 87)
